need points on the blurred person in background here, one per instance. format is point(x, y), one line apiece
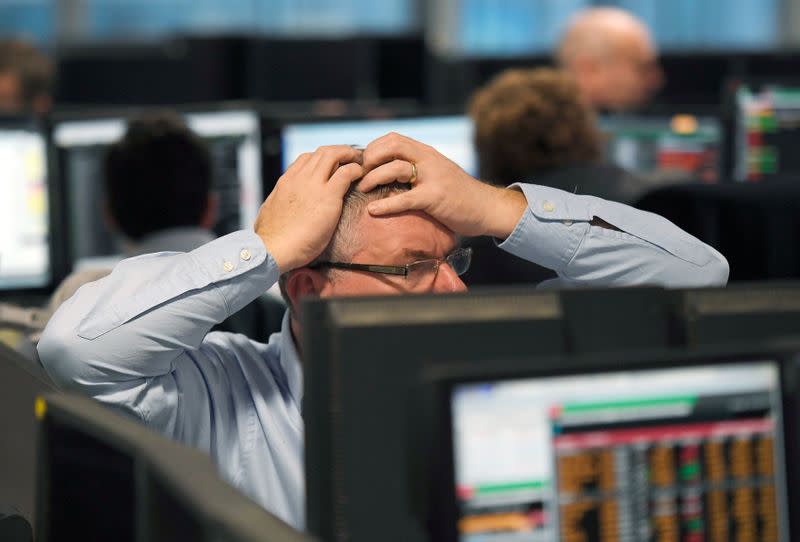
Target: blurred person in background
point(159, 198)
point(26, 78)
point(534, 126)
point(611, 55)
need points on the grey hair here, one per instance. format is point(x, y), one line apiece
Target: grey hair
point(345, 241)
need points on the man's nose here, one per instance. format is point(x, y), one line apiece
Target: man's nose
point(447, 281)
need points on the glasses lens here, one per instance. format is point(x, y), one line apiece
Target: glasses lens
point(460, 260)
point(422, 274)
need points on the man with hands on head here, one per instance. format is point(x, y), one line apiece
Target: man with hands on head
point(138, 339)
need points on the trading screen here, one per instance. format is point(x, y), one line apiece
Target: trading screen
point(767, 134)
point(233, 138)
point(24, 215)
point(451, 136)
point(682, 146)
point(689, 454)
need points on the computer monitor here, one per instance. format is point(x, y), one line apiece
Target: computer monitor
point(234, 139)
point(104, 476)
point(659, 447)
point(740, 314)
point(361, 358)
point(25, 218)
point(373, 397)
point(21, 381)
point(766, 132)
point(450, 135)
point(670, 147)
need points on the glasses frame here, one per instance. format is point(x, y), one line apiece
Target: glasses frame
point(396, 270)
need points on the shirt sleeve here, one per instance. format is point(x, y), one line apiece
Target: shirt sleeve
point(123, 338)
point(556, 232)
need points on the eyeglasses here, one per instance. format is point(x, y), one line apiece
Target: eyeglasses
point(419, 275)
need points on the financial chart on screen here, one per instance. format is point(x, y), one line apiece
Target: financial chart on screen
point(24, 214)
point(767, 133)
point(677, 454)
point(683, 146)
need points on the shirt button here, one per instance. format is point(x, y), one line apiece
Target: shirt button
point(245, 255)
point(568, 223)
point(548, 207)
point(228, 267)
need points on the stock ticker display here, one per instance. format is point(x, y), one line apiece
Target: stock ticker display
point(767, 133)
point(689, 455)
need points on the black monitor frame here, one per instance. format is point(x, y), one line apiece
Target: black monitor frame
point(85, 114)
point(353, 347)
point(163, 471)
point(739, 314)
point(21, 381)
point(57, 253)
point(440, 379)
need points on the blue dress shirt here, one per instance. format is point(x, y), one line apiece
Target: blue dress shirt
point(138, 339)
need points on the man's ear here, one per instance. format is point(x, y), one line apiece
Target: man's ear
point(304, 282)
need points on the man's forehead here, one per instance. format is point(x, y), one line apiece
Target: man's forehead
point(411, 234)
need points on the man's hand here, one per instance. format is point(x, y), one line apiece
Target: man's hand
point(299, 217)
point(441, 189)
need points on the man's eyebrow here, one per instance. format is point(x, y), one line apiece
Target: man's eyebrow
point(418, 254)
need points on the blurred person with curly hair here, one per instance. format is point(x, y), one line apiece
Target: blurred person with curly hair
point(532, 125)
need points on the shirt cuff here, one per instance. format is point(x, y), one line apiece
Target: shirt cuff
point(552, 227)
point(236, 254)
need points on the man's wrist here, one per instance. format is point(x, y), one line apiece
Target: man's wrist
point(505, 211)
point(273, 248)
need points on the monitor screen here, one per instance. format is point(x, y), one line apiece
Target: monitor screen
point(767, 133)
point(234, 142)
point(683, 147)
point(24, 209)
point(452, 136)
point(642, 455)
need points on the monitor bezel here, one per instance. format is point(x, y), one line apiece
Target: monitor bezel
point(181, 471)
point(56, 254)
point(443, 378)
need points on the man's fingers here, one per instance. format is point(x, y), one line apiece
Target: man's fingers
point(299, 162)
point(344, 177)
point(387, 148)
point(405, 201)
point(396, 170)
point(327, 159)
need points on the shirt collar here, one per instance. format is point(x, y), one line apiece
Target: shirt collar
point(290, 360)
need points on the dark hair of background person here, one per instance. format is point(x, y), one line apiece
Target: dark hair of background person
point(157, 177)
point(34, 71)
point(531, 121)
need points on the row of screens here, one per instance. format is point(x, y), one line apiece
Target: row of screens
point(687, 453)
point(679, 147)
point(518, 442)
